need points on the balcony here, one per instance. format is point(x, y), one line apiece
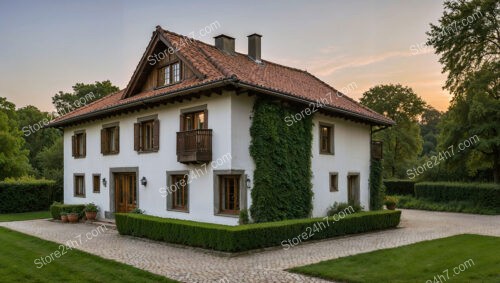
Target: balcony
point(194, 146)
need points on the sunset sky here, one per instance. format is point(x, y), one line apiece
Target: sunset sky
point(47, 46)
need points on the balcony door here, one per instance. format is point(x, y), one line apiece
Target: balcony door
point(125, 192)
point(194, 121)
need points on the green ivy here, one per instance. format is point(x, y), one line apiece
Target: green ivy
point(376, 185)
point(282, 154)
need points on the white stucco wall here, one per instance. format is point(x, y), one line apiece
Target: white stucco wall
point(229, 116)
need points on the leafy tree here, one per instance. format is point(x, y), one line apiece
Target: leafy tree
point(51, 162)
point(31, 122)
point(13, 158)
point(82, 94)
point(470, 55)
point(402, 142)
point(429, 129)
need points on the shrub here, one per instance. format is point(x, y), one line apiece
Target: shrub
point(56, 208)
point(137, 211)
point(399, 187)
point(377, 188)
point(250, 236)
point(244, 219)
point(26, 195)
point(390, 201)
point(91, 207)
point(336, 207)
point(451, 206)
point(484, 195)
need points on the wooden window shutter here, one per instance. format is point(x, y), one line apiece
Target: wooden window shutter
point(205, 114)
point(73, 145)
point(156, 134)
point(181, 123)
point(117, 138)
point(84, 138)
point(103, 141)
point(137, 136)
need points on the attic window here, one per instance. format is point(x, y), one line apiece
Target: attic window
point(170, 74)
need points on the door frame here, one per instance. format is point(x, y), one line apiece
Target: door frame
point(357, 185)
point(112, 201)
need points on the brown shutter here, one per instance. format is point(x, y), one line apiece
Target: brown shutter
point(84, 153)
point(103, 141)
point(205, 113)
point(181, 123)
point(73, 145)
point(137, 136)
point(117, 138)
point(156, 134)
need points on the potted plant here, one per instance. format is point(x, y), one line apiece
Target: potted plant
point(91, 211)
point(390, 202)
point(64, 216)
point(73, 216)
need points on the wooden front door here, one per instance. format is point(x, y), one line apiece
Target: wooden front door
point(125, 192)
point(353, 189)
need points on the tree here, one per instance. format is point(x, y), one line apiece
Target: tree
point(13, 158)
point(429, 129)
point(51, 162)
point(402, 142)
point(31, 122)
point(82, 94)
point(467, 39)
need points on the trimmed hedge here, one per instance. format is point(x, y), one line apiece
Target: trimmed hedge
point(27, 195)
point(251, 236)
point(484, 195)
point(399, 187)
point(57, 208)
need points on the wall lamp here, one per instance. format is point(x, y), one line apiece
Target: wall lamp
point(104, 182)
point(144, 182)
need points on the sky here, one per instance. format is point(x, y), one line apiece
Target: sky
point(48, 46)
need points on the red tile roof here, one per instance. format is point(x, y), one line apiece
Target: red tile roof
point(217, 66)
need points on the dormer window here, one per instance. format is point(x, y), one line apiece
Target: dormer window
point(170, 74)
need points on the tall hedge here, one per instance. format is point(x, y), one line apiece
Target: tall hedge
point(376, 185)
point(282, 153)
point(28, 195)
point(399, 187)
point(251, 236)
point(484, 195)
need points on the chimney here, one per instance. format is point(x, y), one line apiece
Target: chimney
point(254, 47)
point(225, 43)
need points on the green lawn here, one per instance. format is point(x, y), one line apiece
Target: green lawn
point(418, 262)
point(24, 216)
point(20, 256)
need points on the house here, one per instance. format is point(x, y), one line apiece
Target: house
point(175, 142)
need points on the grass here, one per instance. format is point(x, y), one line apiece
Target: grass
point(24, 216)
point(20, 252)
point(451, 206)
point(418, 262)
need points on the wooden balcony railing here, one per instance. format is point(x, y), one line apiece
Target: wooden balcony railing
point(194, 146)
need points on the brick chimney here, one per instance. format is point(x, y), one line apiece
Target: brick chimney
point(225, 43)
point(254, 47)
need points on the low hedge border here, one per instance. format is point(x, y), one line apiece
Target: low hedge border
point(57, 208)
point(26, 196)
point(251, 236)
point(484, 195)
point(399, 187)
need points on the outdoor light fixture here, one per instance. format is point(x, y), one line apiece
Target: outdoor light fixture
point(104, 182)
point(248, 183)
point(144, 182)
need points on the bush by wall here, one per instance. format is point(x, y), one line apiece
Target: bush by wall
point(56, 209)
point(376, 185)
point(463, 206)
point(27, 195)
point(399, 187)
point(483, 195)
point(251, 236)
point(281, 150)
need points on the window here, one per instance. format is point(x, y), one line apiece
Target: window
point(147, 135)
point(96, 183)
point(78, 141)
point(326, 139)
point(334, 182)
point(79, 185)
point(110, 140)
point(178, 188)
point(229, 199)
point(169, 74)
point(194, 121)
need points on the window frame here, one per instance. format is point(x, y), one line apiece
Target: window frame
point(331, 137)
point(171, 206)
point(142, 137)
point(242, 192)
point(98, 190)
point(334, 187)
point(174, 74)
point(106, 141)
point(193, 111)
point(145, 133)
point(75, 176)
point(79, 144)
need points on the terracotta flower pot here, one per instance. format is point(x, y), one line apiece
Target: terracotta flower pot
point(64, 218)
point(91, 215)
point(73, 217)
point(391, 206)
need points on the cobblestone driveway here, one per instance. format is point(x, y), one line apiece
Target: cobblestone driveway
point(189, 265)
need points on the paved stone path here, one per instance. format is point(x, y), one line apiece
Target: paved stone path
point(189, 265)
